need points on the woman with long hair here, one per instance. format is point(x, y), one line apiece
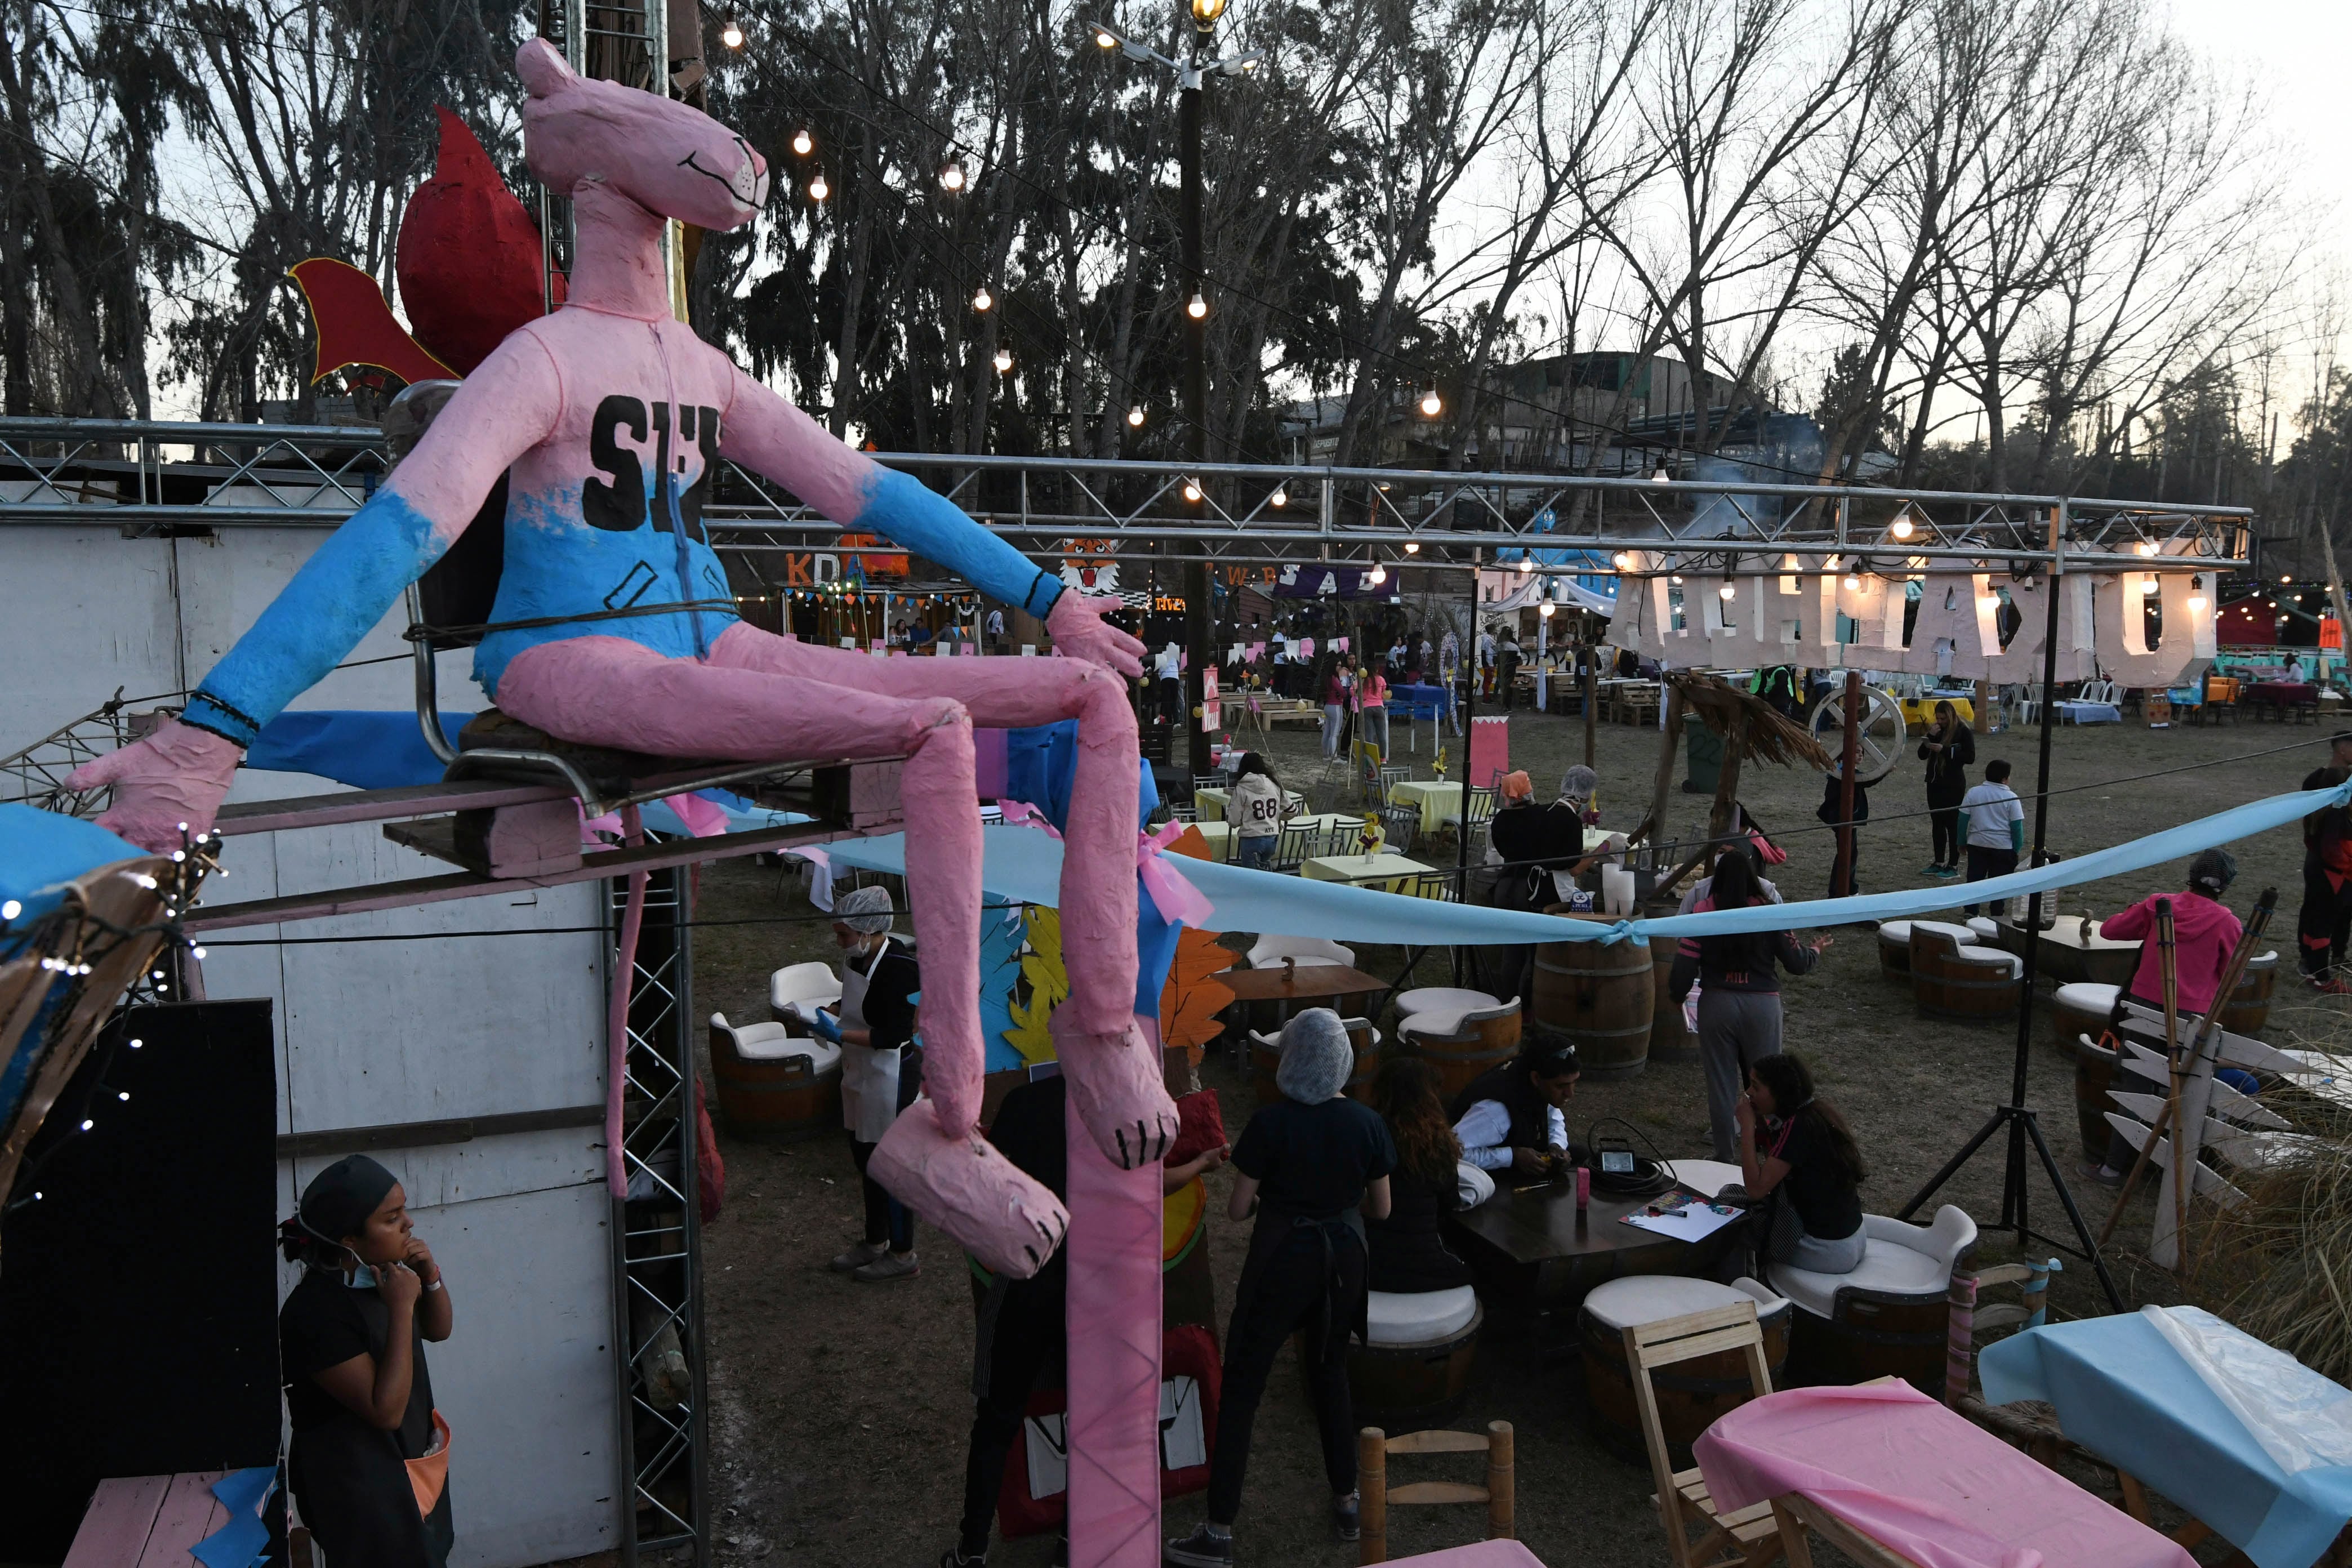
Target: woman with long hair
point(1948, 749)
point(1797, 1149)
point(1408, 1248)
point(1739, 994)
point(1254, 812)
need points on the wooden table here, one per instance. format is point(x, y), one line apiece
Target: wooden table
point(1311, 983)
point(2068, 955)
point(1537, 1246)
point(1389, 873)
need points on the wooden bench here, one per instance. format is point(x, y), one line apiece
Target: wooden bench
point(147, 1521)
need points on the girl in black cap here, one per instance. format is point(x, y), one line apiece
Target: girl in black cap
point(368, 1464)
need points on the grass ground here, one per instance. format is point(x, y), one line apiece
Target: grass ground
point(840, 1411)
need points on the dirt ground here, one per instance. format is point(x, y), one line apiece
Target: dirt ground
point(839, 1411)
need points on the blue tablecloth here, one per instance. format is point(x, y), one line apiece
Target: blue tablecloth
point(2123, 1392)
point(1421, 702)
point(2075, 710)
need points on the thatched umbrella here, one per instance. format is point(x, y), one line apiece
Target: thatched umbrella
point(1750, 727)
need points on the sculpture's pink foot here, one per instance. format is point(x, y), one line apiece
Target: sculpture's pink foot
point(1116, 1087)
point(1002, 1216)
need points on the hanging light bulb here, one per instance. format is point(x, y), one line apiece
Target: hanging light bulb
point(2147, 585)
point(1623, 562)
point(984, 299)
point(1412, 547)
point(1902, 529)
point(1661, 477)
point(2196, 602)
point(952, 176)
point(2146, 547)
point(1677, 579)
point(1192, 490)
point(1545, 609)
point(1852, 584)
point(1003, 362)
point(1526, 565)
point(803, 143)
point(1377, 575)
point(1198, 307)
point(1282, 497)
point(1432, 405)
point(1729, 589)
point(732, 34)
point(1135, 417)
point(2286, 581)
point(818, 189)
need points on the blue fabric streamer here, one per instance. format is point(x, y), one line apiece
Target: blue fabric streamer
point(1026, 865)
point(41, 851)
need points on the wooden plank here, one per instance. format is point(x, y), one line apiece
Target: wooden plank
point(1699, 1345)
point(1668, 1333)
point(1436, 1492)
point(467, 885)
point(378, 805)
point(121, 1517)
point(190, 1512)
point(1438, 1441)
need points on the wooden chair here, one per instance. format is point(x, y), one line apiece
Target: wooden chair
point(1748, 1537)
point(1372, 1448)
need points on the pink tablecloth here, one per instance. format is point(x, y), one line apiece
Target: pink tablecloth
point(1477, 1555)
point(1924, 1482)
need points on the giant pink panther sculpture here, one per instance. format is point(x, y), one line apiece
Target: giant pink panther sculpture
point(611, 416)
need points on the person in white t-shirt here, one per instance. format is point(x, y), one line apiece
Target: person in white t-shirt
point(996, 631)
point(1995, 827)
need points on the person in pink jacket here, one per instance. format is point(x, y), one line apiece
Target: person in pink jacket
point(2205, 934)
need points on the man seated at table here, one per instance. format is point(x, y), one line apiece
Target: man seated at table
point(1510, 1118)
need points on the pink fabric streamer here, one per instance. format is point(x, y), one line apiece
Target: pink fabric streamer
point(1021, 814)
point(1920, 1481)
point(1114, 1353)
point(1176, 899)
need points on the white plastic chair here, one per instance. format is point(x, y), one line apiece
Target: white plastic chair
point(810, 984)
point(1268, 952)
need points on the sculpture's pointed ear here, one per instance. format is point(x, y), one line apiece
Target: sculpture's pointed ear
point(543, 71)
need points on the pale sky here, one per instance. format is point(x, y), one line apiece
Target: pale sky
point(2296, 51)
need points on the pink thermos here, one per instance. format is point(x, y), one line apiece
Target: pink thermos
point(1584, 1186)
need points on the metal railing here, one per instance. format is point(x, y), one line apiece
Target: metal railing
point(66, 471)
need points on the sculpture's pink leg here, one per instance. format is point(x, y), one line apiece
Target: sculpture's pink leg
point(604, 691)
point(1115, 1075)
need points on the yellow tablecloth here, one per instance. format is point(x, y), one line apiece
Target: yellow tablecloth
point(1390, 873)
point(1918, 712)
point(1211, 803)
point(1439, 802)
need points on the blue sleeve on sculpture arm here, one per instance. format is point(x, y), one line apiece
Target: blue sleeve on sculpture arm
point(340, 593)
point(909, 514)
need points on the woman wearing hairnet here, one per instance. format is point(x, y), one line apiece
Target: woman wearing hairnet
point(879, 983)
point(1314, 1165)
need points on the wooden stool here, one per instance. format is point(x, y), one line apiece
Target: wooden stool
point(1417, 1365)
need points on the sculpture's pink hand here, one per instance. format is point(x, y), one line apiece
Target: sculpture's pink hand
point(960, 1184)
point(1117, 1089)
point(178, 774)
point(1080, 632)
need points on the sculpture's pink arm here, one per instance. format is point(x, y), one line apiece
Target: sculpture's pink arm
point(179, 773)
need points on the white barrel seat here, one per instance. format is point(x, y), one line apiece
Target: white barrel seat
point(1632, 1300)
point(1443, 998)
point(1993, 958)
point(772, 1043)
point(1986, 928)
point(1894, 943)
point(2088, 997)
point(1268, 952)
point(1419, 1317)
point(813, 986)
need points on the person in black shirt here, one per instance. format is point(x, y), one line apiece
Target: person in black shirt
point(1023, 1326)
point(351, 1340)
point(1950, 748)
point(1408, 1248)
point(1739, 992)
point(1833, 811)
point(2326, 919)
point(1514, 1117)
point(1795, 1148)
point(1307, 1164)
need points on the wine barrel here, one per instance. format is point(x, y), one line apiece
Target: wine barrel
point(1948, 981)
point(1412, 1383)
point(1670, 1035)
point(1690, 1393)
point(1266, 1056)
point(2094, 1074)
point(2249, 1009)
point(1597, 996)
point(2079, 1009)
point(771, 1096)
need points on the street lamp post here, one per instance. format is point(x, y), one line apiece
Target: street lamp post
point(1200, 623)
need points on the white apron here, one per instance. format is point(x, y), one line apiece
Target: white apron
point(869, 1077)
